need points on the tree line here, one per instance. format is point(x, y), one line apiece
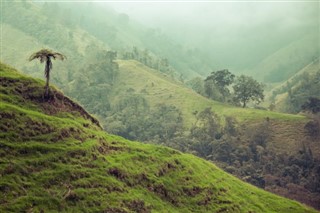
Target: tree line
point(224, 86)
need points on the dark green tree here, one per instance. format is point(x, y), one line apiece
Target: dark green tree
point(204, 131)
point(206, 127)
point(222, 79)
point(312, 105)
point(197, 85)
point(246, 89)
point(46, 56)
point(111, 56)
point(211, 91)
point(165, 121)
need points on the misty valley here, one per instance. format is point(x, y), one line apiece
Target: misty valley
point(159, 106)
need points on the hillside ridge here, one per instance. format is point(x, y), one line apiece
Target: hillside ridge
point(29, 91)
point(287, 61)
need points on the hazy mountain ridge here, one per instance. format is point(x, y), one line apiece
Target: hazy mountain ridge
point(287, 61)
point(290, 95)
point(85, 25)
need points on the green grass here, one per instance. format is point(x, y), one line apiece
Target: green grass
point(57, 160)
point(158, 88)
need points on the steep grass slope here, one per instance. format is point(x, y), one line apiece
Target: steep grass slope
point(54, 157)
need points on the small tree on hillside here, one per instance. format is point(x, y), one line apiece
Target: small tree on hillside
point(246, 89)
point(220, 80)
point(197, 85)
point(312, 105)
point(46, 56)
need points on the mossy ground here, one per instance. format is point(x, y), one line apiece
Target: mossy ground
point(53, 158)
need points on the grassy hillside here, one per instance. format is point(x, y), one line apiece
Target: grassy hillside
point(279, 94)
point(262, 139)
point(55, 157)
point(76, 42)
point(157, 88)
point(83, 33)
point(288, 60)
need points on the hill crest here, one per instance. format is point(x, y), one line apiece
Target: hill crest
point(28, 90)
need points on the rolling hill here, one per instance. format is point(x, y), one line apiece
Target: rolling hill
point(283, 134)
point(279, 95)
point(81, 30)
point(158, 88)
point(287, 61)
point(55, 157)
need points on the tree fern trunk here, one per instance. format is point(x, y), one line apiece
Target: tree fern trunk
point(47, 85)
point(47, 75)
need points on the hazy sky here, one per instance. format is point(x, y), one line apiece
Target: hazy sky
point(209, 13)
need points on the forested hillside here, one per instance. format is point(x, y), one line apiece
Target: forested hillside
point(132, 78)
point(80, 34)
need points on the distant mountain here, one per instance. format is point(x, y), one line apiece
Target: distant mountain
point(287, 61)
point(75, 28)
point(291, 94)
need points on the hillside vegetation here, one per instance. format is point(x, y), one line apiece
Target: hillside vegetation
point(290, 95)
point(157, 88)
point(85, 29)
point(55, 156)
point(287, 61)
point(274, 151)
point(130, 77)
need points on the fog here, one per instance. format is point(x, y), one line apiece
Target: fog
point(206, 14)
point(235, 33)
